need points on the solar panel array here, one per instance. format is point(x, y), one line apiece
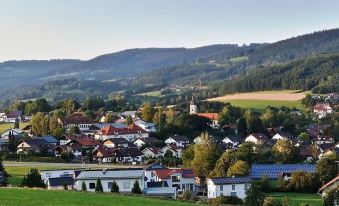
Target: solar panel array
point(273, 171)
point(230, 180)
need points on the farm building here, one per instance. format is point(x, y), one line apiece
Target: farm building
point(274, 171)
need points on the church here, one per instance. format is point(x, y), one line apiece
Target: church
point(212, 116)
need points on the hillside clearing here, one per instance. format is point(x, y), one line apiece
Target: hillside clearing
point(151, 94)
point(21, 196)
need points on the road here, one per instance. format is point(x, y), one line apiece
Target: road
point(65, 165)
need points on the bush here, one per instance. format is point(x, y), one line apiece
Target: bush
point(270, 201)
point(115, 187)
point(231, 200)
point(83, 186)
point(33, 179)
point(187, 195)
point(98, 186)
point(136, 189)
point(265, 184)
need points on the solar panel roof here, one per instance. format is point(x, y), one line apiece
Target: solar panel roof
point(273, 171)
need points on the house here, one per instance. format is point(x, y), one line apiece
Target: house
point(51, 140)
point(118, 143)
point(11, 117)
point(182, 179)
point(124, 114)
point(178, 140)
point(176, 150)
point(151, 152)
point(103, 154)
point(147, 126)
point(227, 186)
point(61, 173)
point(306, 153)
point(284, 136)
point(322, 139)
point(234, 140)
point(59, 183)
point(125, 179)
point(130, 133)
point(142, 141)
point(257, 138)
point(80, 121)
point(128, 155)
point(4, 137)
point(274, 171)
point(329, 186)
point(36, 145)
point(322, 109)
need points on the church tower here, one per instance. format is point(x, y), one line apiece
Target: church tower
point(193, 107)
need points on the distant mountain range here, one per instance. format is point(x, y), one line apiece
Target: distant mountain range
point(152, 66)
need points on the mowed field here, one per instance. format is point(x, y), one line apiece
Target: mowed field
point(260, 100)
point(30, 197)
point(295, 199)
point(5, 126)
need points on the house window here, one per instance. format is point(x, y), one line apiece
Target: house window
point(183, 186)
point(92, 185)
point(152, 174)
point(177, 186)
point(109, 185)
point(191, 187)
point(48, 174)
point(221, 194)
point(127, 185)
point(221, 188)
point(233, 194)
point(175, 178)
point(233, 187)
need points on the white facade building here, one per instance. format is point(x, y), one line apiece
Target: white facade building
point(227, 186)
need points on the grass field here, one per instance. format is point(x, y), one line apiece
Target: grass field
point(17, 173)
point(27, 197)
point(260, 100)
point(5, 126)
point(239, 59)
point(296, 198)
point(151, 94)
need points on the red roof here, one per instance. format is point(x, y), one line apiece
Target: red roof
point(166, 173)
point(329, 183)
point(132, 129)
point(212, 116)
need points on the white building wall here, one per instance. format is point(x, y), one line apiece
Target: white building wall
point(55, 173)
point(125, 185)
point(227, 190)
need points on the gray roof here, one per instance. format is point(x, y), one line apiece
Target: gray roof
point(60, 181)
point(230, 180)
point(127, 173)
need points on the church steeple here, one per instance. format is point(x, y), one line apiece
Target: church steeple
point(193, 107)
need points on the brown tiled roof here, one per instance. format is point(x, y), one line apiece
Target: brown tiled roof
point(166, 173)
point(76, 120)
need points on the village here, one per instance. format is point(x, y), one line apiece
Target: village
point(169, 167)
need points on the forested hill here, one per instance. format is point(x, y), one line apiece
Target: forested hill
point(326, 41)
point(319, 74)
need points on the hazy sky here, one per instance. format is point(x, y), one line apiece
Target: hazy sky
point(45, 29)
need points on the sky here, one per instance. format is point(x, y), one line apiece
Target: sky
point(83, 29)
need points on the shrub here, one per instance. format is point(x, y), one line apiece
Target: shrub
point(33, 179)
point(98, 186)
point(187, 195)
point(231, 200)
point(265, 184)
point(136, 189)
point(270, 201)
point(115, 187)
point(83, 186)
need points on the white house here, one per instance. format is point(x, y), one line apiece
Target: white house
point(151, 151)
point(142, 141)
point(182, 179)
point(178, 140)
point(176, 150)
point(147, 126)
point(234, 140)
point(130, 133)
point(322, 109)
point(46, 174)
point(283, 136)
point(59, 183)
point(83, 123)
point(125, 179)
point(227, 186)
point(256, 138)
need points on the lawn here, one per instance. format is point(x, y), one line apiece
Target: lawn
point(260, 105)
point(6, 126)
point(151, 94)
point(239, 59)
point(21, 196)
point(17, 173)
point(296, 198)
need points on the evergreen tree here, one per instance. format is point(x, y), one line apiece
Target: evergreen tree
point(33, 179)
point(83, 186)
point(98, 186)
point(75, 130)
point(136, 189)
point(115, 187)
point(16, 123)
point(3, 174)
point(12, 144)
point(129, 120)
point(254, 196)
point(242, 126)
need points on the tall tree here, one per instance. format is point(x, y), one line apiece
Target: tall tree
point(188, 156)
point(285, 152)
point(239, 168)
point(33, 179)
point(206, 155)
point(12, 143)
point(327, 169)
point(159, 120)
point(136, 188)
point(98, 186)
point(129, 120)
point(223, 164)
point(40, 124)
point(147, 112)
point(242, 126)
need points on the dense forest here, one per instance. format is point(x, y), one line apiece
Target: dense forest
point(319, 74)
